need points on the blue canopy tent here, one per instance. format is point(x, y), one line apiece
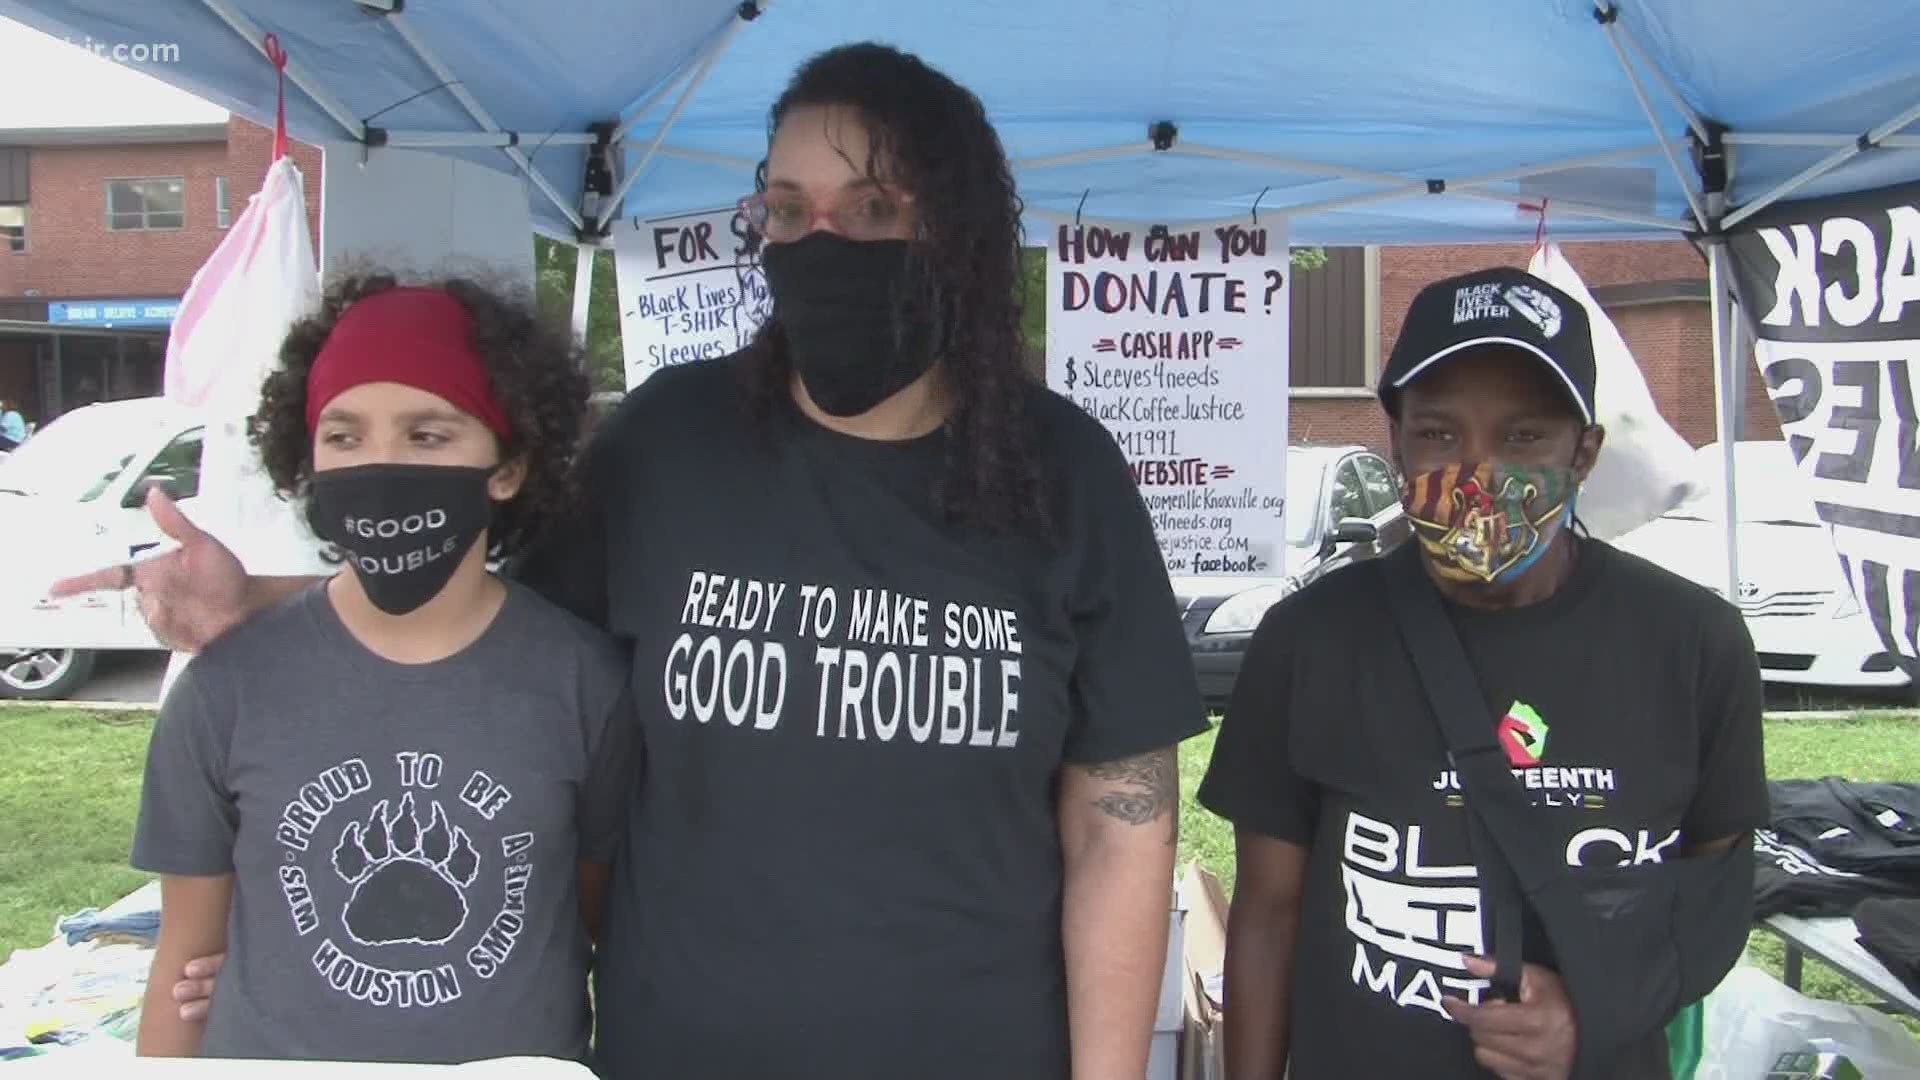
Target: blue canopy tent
point(1372, 122)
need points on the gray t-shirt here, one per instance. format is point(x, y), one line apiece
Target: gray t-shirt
point(403, 838)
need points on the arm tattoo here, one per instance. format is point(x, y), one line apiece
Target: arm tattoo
point(1141, 790)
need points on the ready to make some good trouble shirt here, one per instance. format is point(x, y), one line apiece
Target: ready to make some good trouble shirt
point(845, 860)
point(1629, 707)
point(404, 839)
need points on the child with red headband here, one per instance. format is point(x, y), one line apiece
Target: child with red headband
point(391, 800)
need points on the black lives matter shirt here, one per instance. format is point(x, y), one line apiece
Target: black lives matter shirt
point(1629, 707)
point(844, 860)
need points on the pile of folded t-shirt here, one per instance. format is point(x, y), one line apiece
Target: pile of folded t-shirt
point(1837, 848)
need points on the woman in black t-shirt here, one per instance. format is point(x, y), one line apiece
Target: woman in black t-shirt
point(909, 665)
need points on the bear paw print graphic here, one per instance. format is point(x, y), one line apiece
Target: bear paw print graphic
point(409, 883)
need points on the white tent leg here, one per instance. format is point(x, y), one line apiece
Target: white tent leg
point(1724, 385)
point(582, 288)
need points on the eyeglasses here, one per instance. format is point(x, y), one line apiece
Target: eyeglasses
point(861, 213)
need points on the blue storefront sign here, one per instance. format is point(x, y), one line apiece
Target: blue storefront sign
point(113, 312)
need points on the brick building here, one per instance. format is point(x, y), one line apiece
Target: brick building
point(1347, 314)
point(101, 230)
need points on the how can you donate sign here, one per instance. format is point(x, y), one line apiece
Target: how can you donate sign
point(1175, 337)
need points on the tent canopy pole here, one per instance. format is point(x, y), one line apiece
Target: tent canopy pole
point(297, 73)
point(1518, 172)
point(694, 82)
point(1627, 39)
point(1607, 16)
point(480, 140)
point(402, 26)
point(1790, 138)
point(708, 157)
point(1604, 213)
point(696, 68)
point(1723, 386)
point(1081, 157)
point(1286, 164)
point(582, 289)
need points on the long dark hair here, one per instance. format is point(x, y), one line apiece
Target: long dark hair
point(930, 136)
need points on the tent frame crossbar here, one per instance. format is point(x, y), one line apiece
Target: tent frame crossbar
point(1402, 186)
point(1622, 36)
point(297, 73)
point(708, 157)
point(1814, 139)
point(694, 81)
point(695, 66)
point(1871, 139)
point(1466, 186)
point(1608, 17)
point(478, 140)
point(403, 26)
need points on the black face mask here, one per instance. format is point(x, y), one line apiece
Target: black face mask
point(837, 300)
point(403, 528)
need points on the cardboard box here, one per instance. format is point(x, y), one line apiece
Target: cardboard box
point(1163, 1063)
point(1204, 959)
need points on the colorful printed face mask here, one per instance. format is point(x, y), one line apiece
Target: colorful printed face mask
point(1488, 523)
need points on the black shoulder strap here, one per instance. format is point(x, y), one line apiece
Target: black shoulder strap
point(1509, 862)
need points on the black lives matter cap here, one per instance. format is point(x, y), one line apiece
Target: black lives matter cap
point(1501, 306)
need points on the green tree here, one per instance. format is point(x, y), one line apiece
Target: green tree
point(554, 264)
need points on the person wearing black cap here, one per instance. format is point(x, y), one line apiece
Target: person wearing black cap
point(1626, 700)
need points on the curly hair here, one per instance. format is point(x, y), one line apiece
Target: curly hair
point(930, 135)
point(537, 373)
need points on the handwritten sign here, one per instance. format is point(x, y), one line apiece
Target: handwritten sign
point(689, 289)
point(1175, 338)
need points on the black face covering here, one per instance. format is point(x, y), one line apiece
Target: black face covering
point(403, 528)
point(837, 301)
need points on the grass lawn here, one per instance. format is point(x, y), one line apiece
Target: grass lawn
point(72, 783)
point(1867, 746)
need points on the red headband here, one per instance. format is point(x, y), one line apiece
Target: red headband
point(418, 337)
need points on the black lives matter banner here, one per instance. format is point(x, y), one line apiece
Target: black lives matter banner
point(1832, 289)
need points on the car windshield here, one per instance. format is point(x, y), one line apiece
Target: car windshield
point(1304, 474)
point(1767, 487)
point(72, 459)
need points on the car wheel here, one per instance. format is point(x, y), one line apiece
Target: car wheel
point(44, 674)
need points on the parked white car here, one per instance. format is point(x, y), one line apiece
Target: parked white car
point(1805, 622)
point(72, 498)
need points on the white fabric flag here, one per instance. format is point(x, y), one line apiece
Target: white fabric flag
point(225, 341)
point(1645, 467)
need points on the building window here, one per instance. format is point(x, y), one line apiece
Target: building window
point(13, 229)
point(1330, 325)
point(147, 203)
point(222, 216)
